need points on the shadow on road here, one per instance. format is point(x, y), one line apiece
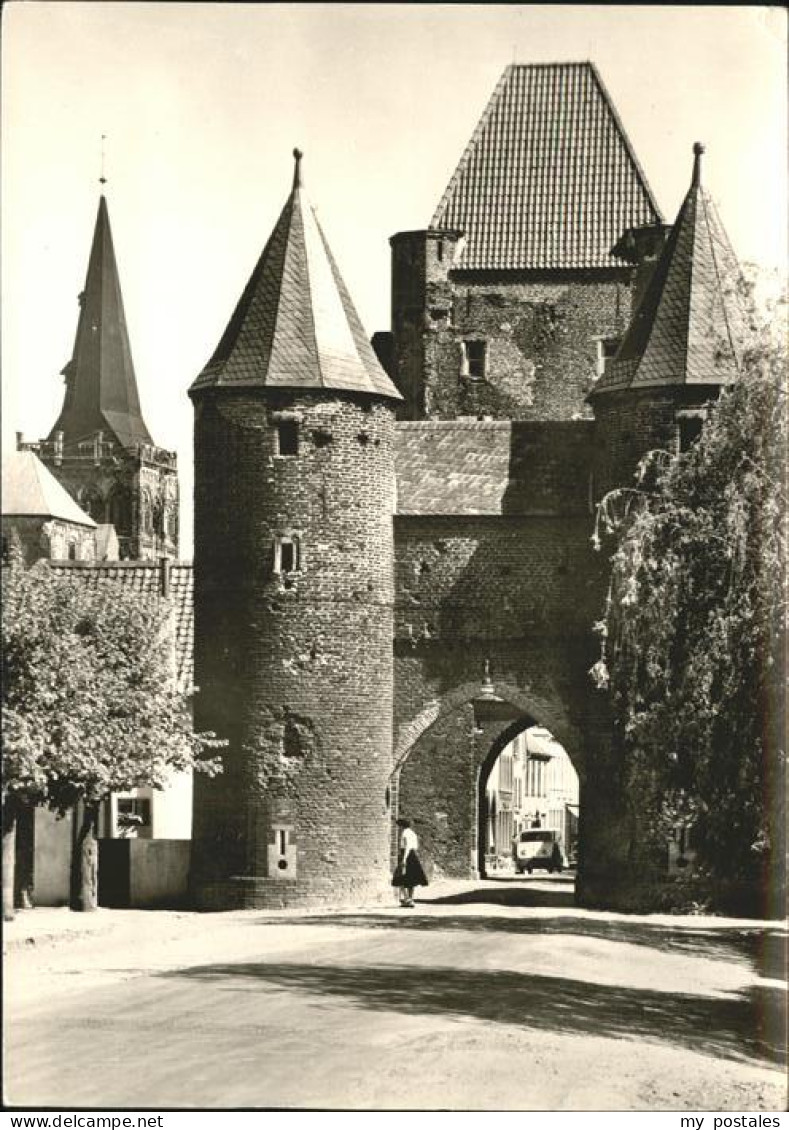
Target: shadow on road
point(745, 1027)
point(761, 949)
point(508, 893)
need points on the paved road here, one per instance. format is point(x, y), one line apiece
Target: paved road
point(494, 996)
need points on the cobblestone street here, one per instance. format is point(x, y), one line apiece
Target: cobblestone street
point(499, 995)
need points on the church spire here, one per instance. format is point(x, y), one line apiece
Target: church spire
point(101, 386)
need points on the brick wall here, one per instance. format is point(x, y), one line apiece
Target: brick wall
point(630, 423)
point(297, 676)
point(540, 331)
point(521, 592)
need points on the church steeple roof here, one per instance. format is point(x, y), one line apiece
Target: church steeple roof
point(295, 325)
point(688, 328)
point(101, 386)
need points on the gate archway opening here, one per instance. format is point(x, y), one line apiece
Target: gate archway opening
point(527, 804)
point(443, 758)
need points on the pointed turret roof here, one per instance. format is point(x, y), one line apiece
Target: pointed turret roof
point(101, 387)
point(688, 328)
point(549, 179)
point(295, 325)
point(31, 491)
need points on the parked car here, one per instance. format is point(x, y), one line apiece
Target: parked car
point(538, 848)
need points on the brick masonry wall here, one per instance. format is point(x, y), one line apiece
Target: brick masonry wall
point(298, 677)
point(522, 593)
point(631, 423)
point(541, 332)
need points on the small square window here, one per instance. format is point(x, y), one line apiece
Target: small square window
point(287, 437)
point(134, 811)
point(474, 360)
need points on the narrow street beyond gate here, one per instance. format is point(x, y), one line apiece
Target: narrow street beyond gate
point(493, 996)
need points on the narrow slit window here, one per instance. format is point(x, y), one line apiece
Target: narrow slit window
point(287, 437)
point(287, 556)
point(689, 428)
point(606, 351)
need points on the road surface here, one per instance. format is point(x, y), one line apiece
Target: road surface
point(490, 996)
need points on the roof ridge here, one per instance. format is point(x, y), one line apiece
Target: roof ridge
point(466, 155)
point(709, 204)
point(626, 140)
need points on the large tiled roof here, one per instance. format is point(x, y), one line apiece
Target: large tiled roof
point(689, 326)
point(30, 490)
point(145, 579)
point(484, 467)
point(295, 325)
point(101, 390)
point(549, 179)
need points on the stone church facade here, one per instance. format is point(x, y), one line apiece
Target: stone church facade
point(375, 529)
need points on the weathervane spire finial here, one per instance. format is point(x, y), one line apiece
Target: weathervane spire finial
point(102, 178)
point(297, 156)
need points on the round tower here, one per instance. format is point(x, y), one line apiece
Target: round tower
point(683, 345)
point(294, 500)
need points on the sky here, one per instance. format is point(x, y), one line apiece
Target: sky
point(202, 105)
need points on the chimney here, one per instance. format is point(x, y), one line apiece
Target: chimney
point(58, 455)
point(164, 576)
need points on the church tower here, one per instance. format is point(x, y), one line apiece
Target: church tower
point(100, 448)
point(294, 501)
point(683, 345)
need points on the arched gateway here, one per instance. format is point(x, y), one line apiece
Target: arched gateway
point(445, 756)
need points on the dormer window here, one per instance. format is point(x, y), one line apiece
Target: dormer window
point(287, 554)
point(288, 437)
point(473, 363)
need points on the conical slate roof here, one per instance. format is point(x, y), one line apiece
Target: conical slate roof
point(688, 329)
point(31, 491)
point(101, 387)
point(295, 325)
point(549, 179)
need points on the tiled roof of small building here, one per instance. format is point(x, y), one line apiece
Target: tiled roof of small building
point(101, 384)
point(145, 578)
point(32, 491)
point(478, 467)
point(689, 326)
point(295, 325)
point(549, 179)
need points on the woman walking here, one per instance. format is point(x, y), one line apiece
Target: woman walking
point(409, 872)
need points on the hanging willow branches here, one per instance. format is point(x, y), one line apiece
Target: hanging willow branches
point(693, 628)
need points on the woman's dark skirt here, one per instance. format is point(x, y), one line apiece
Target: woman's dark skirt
point(412, 876)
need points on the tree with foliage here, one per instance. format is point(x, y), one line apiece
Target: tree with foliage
point(694, 628)
point(90, 707)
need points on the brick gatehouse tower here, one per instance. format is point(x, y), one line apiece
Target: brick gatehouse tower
point(294, 563)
